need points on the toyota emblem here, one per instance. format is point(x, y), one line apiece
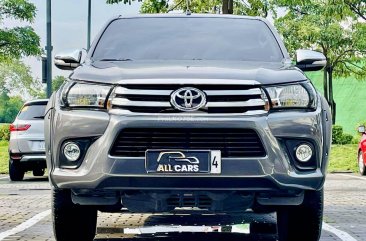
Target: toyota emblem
point(188, 99)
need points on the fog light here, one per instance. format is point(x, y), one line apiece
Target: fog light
point(72, 151)
point(304, 153)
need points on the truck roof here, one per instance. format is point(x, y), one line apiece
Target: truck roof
point(183, 15)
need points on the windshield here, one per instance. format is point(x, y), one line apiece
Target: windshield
point(188, 39)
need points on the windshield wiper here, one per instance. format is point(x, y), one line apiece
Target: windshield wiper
point(115, 60)
point(39, 117)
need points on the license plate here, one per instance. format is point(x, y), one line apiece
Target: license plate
point(183, 161)
point(39, 145)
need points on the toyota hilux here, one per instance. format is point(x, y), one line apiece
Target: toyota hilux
point(189, 112)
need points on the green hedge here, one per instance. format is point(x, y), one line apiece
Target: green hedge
point(4, 132)
point(340, 138)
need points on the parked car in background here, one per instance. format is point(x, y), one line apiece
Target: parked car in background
point(26, 146)
point(362, 152)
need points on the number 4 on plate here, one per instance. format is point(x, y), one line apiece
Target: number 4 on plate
point(216, 162)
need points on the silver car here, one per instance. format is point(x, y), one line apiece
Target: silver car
point(201, 113)
point(26, 146)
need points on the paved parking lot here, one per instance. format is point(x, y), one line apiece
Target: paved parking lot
point(25, 215)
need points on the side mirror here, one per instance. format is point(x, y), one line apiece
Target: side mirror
point(308, 60)
point(68, 61)
point(361, 129)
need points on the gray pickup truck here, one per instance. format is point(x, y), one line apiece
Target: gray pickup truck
point(201, 113)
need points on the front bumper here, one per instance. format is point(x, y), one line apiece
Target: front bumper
point(101, 171)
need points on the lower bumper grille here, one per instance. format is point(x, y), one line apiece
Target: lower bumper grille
point(199, 201)
point(133, 142)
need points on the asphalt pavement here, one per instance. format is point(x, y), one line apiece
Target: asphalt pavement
point(25, 215)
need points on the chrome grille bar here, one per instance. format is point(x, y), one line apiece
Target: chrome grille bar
point(236, 103)
point(234, 92)
point(124, 102)
point(126, 91)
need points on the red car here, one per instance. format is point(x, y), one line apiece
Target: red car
point(362, 151)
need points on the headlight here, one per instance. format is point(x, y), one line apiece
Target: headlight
point(292, 96)
point(85, 95)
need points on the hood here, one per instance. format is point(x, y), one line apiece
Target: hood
point(117, 72)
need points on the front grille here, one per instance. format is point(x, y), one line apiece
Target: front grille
point(221, 98)
point(133, 142)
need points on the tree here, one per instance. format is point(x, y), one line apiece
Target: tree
point(18, 41)
point(310, 25)
point(16, 78)
point(57, 82)
point(196, 6)
point(154, 6)
point(252, 8)
point(9, 107)
point(242, 7)
point(329, 28)
point(358, 7)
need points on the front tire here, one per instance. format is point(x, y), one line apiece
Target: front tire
point(16, 173)
point(303, 222)
point(361, 164)
point(72, 222)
